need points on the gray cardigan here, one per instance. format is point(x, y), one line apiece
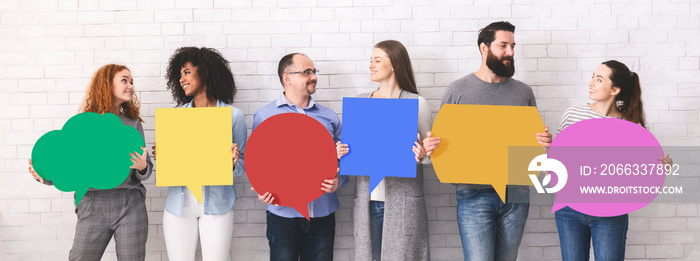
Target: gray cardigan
point(405, 232)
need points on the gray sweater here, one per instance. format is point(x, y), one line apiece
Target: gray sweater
point(472, 90)
point(135, 178)
point(405, 234)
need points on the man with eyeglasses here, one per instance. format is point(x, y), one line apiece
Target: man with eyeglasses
point(289, 234)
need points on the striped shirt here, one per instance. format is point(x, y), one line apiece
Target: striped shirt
point(578, 113)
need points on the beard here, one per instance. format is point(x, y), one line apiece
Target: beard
point(311, 87)
point(497, 66)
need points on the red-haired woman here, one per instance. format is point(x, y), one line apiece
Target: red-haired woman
point(121, 211)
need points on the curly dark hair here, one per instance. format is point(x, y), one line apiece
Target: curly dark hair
point(213, 69)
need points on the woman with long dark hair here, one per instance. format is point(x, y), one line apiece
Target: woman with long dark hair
point(391, 223)
point(617, 94)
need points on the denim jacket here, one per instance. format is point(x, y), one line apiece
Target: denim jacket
point(217, 199)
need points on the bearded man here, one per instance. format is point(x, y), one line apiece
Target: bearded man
point(491, 229)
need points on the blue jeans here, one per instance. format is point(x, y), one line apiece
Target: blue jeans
point(489, 228)
point(376, 223)
point(293, 239)
point(577, 229)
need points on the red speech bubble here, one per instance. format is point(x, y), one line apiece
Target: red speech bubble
point(289, 155)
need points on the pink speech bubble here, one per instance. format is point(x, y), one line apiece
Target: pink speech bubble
point(610, 146)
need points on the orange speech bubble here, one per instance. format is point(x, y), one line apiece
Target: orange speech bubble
point(474, 141)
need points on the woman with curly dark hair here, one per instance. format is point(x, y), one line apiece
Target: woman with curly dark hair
point(201, 77)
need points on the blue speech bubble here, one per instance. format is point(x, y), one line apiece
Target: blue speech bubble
point(380, 134)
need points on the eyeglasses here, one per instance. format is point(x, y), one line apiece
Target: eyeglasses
point(307, 72)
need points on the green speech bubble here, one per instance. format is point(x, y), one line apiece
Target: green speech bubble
point(91, 151)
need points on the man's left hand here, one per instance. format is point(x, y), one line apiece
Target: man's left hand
point(330, 185)
point(545, 138)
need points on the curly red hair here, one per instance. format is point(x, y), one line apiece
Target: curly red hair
point(99, 97)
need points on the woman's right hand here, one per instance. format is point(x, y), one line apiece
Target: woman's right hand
point(341, 149)
point(266, 198)
point(31, 171)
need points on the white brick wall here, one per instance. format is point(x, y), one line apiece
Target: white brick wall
point(49, 49)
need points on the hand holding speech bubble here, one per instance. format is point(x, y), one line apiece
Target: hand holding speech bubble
point(289, 155)
point(381, 134)
point(194, 147)
point(475, 141)
point(54, 154)
point(604, 153)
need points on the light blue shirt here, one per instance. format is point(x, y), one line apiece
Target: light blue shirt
point(217, 199)
point(328, 202)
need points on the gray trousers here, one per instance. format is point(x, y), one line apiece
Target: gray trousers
point(103, 213)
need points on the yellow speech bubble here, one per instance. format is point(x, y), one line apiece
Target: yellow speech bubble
point(194, 148)
point(475, 141)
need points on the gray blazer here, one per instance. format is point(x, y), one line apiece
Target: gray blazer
point(405, 232)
